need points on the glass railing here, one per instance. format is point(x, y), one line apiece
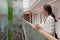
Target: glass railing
point(32, 34)
point(3, 27)
point(21, 30)
point(3, 19)
point(11, 20)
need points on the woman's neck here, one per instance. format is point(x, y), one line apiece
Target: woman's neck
point(47, 16)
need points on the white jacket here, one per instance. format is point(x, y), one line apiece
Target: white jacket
point(48, 25)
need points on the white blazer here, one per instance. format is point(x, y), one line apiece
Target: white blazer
point(48, 25)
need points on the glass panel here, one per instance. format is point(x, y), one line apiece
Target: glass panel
point(32, 34)
point(3, 19)
point(18, 32)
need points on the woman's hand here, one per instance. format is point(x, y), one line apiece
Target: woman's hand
point(37, 27)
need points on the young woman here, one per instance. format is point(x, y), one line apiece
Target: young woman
point(48, 25)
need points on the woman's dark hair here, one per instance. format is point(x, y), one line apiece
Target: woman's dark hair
point(48, 8)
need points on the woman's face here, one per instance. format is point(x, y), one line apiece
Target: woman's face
point(44, 12)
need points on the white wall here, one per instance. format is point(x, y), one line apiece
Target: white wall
point(57, 6)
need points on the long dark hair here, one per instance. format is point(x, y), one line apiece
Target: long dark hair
point(48, 8)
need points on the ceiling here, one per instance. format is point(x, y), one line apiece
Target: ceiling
point(39, 4)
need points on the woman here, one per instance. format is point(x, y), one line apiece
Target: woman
point(48, 25)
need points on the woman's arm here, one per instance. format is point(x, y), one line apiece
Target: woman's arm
point(41, 31)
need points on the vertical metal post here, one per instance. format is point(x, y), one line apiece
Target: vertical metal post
point(10, 19)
